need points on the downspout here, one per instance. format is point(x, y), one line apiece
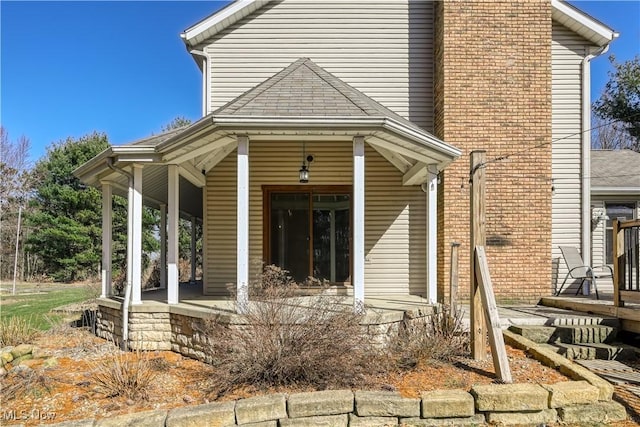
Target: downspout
point(205, 80)
point(127, 292)
point(586, 154)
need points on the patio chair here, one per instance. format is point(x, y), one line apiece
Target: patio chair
point(579, 270)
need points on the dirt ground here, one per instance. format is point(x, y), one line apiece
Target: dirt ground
point(68, 391)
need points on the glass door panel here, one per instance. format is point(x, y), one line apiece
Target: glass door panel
point(331, 237)
point(289, 234)
point(309, 234)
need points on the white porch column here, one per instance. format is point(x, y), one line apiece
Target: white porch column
point(193, 249)
point(358, 223)
point(242, 289)
point(136, 241)
point(432, 235)
point(172, 246)
point(163, 246)
point(107, 236)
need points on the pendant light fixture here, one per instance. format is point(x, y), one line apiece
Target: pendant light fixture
point(304, 169)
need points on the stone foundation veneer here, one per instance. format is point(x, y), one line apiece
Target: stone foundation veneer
point(181, 328)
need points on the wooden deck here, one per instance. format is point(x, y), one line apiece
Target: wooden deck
point(629, 314)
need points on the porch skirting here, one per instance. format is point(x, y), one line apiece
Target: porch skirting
point(181, 327)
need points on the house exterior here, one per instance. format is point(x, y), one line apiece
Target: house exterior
point(380, 103)
point(615, 193)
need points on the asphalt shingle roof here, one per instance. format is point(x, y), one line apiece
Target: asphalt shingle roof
point(615, 168)
point(304, 89)
point(157, 139)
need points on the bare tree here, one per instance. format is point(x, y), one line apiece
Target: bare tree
point(610, 135)
point(15, 188)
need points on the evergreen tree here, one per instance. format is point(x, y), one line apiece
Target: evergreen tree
point(66, 219)
point(66, 216)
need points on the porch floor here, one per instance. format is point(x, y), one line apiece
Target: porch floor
point(391, 307)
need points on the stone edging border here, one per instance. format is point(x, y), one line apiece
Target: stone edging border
point(561, 363)
point(585, 401)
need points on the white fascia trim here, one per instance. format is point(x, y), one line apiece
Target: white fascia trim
point(136, 153)
point(427, 139)
point(88, 169)
point(364, 125)
point(298, 122)
point(584, 19)
point(615, 191)
point(232, 13)
point(386, 123)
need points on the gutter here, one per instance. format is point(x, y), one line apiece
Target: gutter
point(615, 191)
point(127, 293)
point(586, 152)
point(205, 80)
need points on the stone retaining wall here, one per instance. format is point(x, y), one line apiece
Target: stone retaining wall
point(180, 328)
point(507, 404)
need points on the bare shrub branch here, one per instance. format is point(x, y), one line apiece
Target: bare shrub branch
point(290, 340)
point(439, 337)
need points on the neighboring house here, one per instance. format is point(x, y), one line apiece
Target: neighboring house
point(380, 102)
point(615, 193)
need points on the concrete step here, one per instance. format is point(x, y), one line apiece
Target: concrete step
point(616, 351)
point(535, 333)
point(576, 351)
point(551, 316)
point(568, 334)
point(584, 334)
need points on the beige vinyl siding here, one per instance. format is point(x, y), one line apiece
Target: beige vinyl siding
point(395, 216)
point(382, 48)
point(568, 50)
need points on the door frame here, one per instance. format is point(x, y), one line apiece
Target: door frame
point(312, 190)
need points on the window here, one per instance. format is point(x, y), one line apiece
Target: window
point(623, 211)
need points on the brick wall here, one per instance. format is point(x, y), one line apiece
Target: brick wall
point(493, 92)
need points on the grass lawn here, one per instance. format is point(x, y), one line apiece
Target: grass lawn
point(36, 308)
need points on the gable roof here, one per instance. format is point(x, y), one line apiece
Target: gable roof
point(305, 89)
point(562, 12)
point(615, 172)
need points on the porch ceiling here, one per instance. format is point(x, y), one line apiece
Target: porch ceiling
point(154, 190)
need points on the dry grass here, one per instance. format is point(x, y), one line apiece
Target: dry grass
point(125, 374)
point(439, 337)
point(19, 383)
point(15, 330)
point(288, 340)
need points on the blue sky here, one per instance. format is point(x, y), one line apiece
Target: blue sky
point(68, 68)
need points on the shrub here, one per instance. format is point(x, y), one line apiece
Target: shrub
point(125, 374)
point(288, 340)
point(439, 337)
point(16, 330)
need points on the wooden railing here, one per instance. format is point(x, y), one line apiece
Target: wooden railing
point(626, 262)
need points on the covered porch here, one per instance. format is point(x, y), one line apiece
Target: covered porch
point(301, 138)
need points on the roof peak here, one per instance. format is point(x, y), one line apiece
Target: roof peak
point(305, 89)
